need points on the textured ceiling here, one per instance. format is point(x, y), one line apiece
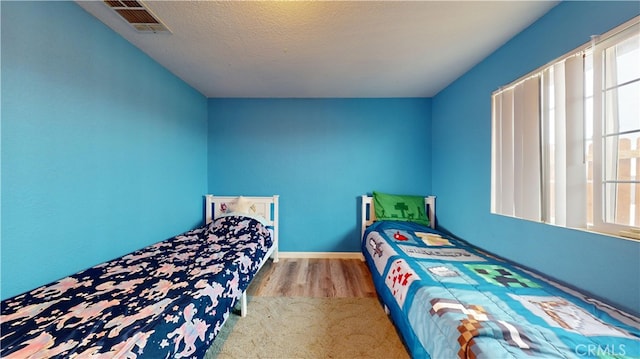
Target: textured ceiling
point(324, 48)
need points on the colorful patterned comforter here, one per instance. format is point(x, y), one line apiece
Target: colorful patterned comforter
point(450, 300)
point(167, 300)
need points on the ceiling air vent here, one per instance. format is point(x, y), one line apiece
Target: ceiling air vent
point(136, 14)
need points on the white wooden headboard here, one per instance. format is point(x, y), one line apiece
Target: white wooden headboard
point(368, 214)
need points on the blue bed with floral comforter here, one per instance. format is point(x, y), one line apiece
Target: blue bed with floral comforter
point(450, 300)
point(167, 300)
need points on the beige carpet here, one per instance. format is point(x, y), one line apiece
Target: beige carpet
point(300, 327)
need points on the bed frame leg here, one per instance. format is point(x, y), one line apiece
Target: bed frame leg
point(243, 304)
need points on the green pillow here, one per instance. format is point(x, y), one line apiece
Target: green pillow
point(400, 208)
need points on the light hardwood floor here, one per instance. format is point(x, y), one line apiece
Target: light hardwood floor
point(310, 277)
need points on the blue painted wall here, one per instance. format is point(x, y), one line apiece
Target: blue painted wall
point(103, 150)
point(319, 155)
point(606, 266)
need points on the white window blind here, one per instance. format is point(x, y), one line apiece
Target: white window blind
point(539, 132)
point(563, 133)
point(516, 141)
point(566, 138)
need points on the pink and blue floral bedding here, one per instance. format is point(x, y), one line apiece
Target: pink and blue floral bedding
point(168, 300)
point(449, 299)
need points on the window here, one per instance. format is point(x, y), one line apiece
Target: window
point(566, 139)
point(616, 106)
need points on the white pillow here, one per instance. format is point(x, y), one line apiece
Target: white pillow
point(242, 205)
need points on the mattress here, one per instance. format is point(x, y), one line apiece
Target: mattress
point(169, 299)
point(449, 299)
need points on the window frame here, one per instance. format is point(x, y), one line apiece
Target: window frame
point(598, 221)
point(609, 39)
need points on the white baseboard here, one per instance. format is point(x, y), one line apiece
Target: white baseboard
point(322, 255)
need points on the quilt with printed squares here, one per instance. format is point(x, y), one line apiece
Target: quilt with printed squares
point(168, 300)
point(449, 299)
